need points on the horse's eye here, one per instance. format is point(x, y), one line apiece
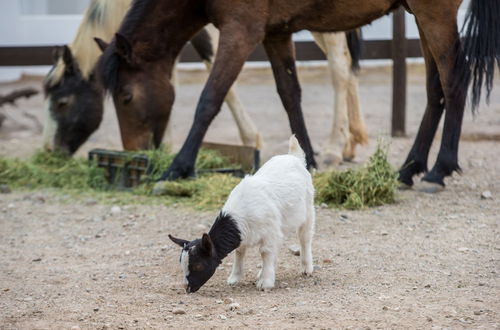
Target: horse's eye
point(127, 98)
point(198, 267)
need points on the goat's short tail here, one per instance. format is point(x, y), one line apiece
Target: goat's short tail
point(295, 149)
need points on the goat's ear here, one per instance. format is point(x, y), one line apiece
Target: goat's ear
point(207, 246)
point(69, 60)
point(101, 44)
point(178, 241)
point(123, 47)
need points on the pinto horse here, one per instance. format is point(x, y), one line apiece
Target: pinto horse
point(74, 98)
point(156, 31)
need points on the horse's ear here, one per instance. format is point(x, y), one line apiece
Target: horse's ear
point(101, 44)
point(68, 59)
point(56, 54)
point(123, 47)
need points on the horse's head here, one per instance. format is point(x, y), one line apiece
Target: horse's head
point(74, 104)
point(141, 90)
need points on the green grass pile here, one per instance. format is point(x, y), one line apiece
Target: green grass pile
point(373, 184)
point(51, 170)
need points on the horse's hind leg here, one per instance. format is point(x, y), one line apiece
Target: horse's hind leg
point(334, 45)
point(281, 54)
point(416, 162)
point(357, 128)
point(442, 38)
point(205, 44)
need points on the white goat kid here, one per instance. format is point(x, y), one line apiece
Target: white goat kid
point(260, 210)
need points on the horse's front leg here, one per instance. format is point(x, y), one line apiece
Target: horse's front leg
point(281, 54)
point(235, 45)
point(205, 43)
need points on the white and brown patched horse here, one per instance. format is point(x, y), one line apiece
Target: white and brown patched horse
point(74, 99)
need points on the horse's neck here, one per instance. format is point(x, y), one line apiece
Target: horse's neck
point(164, 33)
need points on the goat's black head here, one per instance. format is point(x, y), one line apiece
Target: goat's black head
point(198, 260)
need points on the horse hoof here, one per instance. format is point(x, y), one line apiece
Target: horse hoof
point(430, 187)
point(404, 186)
point(332, 160)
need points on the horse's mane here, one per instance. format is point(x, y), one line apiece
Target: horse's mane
point(109, 62)
point(101, 19)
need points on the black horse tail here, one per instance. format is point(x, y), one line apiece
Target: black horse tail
point(354, 43)
point(481, 45)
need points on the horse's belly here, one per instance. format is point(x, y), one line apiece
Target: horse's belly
point(326, 15)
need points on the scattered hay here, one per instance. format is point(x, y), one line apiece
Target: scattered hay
point(51, 170)
point(373, 184)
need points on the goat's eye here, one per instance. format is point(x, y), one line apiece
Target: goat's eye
point(198, 267)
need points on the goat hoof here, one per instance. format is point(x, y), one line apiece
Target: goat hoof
point(265, 284)
point(233, 280)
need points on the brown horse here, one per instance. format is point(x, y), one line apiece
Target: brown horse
point(155, 31)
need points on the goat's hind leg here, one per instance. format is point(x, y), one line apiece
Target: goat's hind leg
point(305, 233)
point(237, 272)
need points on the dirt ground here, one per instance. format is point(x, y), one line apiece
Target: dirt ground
point(430, 261)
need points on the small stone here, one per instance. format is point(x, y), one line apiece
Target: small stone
point(11, 206)
point(295, 249)
point(198, 316)
point(478, 312)
point(384, 233)
point(178, 311)
point(428, 286)
point(233, 306)
point(96, 309)
point(486, 195)
point(115, 210)
point(218, 301)
point(316, 267)
point(344, 216)
point(274, 309)
point(323, 206)
point(463, 249)
point(122, 276)
point(90, 202)
point(222, 317)
point(5, 189)
point(327, 261)
point(228, 301)
point(37, 260)
point(75, 327)
point(429, 319)
point(385, 308)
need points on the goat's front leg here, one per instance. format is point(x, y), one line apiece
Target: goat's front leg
point(235, 45)
point(281, 53)
point(237, 272)
point(267, 275)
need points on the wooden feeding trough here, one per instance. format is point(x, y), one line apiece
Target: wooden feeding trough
point(122, 169)
point(125, 170)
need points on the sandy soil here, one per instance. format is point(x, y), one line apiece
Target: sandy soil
point(429, 261)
